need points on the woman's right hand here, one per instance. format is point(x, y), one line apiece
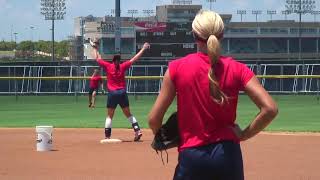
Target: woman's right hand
point(238, 132)
point(94, 43)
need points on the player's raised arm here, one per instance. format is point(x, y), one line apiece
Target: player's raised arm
point(95, 46)
point(139, 54)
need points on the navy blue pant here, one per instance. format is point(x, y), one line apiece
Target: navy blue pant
point(219, 161)
point(93, 89)
point(117, 97)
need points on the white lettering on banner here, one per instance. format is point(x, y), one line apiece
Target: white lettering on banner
point(151, 25)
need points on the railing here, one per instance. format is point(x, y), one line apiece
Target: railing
point(276, 78)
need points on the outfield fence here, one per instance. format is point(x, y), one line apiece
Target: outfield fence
point(276, 78)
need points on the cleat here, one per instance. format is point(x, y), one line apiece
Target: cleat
point(137, 136)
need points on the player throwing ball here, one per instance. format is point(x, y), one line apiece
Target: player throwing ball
point(95, 81)
point(116, 86)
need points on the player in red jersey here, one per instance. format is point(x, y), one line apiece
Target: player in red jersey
point(116, 86)
point(207, 86)
point(95, 81)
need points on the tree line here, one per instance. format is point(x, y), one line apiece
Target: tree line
point(28, 48)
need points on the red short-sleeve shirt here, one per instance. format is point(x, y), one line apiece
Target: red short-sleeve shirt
point(115, 78)
point(95, 81)
point(201, 120)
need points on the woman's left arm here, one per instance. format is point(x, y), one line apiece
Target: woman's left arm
point(164, 99)
point(268, 110)
point(139, 54)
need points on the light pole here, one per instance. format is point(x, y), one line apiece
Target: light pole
point(53, 10)
point(211, 1)
point(32, 28)
point(256, 13)
point(271, 12)
point(241, 12)
point(285, 13)
point(11, 29)
point(132, 12)
point(113, 12)
point(15, 40)
point(301, 7)
point(117, 27)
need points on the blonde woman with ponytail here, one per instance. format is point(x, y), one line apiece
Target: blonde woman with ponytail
point(207, 86)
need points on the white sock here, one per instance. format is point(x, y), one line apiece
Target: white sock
point(132, 119)
point(108, 123)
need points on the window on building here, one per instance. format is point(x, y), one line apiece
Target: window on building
point(243, 45)
point(139, 46)
point(173, 33)
point(158, 34)
point(273, 45)
point(188, 45)
point(274, 31)
point(166, 54)
point(309, 45)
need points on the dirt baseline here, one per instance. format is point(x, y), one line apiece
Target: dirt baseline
point(78, 155)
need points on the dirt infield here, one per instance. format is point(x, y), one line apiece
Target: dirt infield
point(78, 155)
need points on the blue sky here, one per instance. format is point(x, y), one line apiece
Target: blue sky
point(19, 15)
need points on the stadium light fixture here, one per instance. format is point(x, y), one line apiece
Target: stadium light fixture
point(53, 10)
point(148, 12)
point(315, 13)
point(271, 12)
point(132, 12)
point(211, 1)
point(285, 13)
point(256, 12)
point(182, 2)
point(241, 12)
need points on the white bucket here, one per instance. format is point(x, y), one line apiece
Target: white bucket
point(44, 138)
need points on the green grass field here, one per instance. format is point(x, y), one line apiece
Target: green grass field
point(296, 112)
point(6, 53)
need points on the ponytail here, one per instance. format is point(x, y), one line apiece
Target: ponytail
point(208, 28)
point(214, 50)
point(116, 60)
point(117, 67)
